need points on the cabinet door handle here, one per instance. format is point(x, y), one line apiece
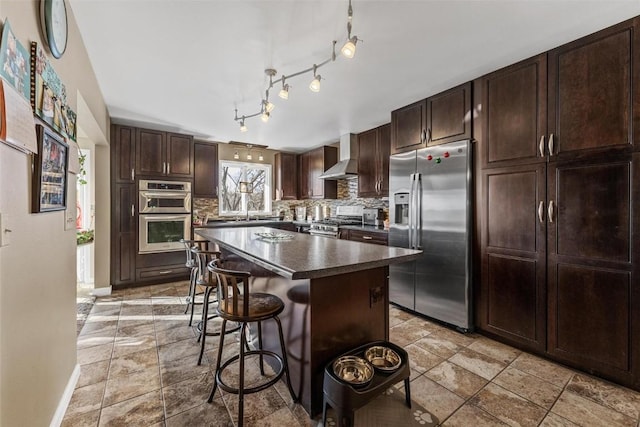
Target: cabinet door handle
point(541, 211)
point(423, 136)
point(168, 168)
point(133, 174)
point(165, 272)
point(164, 168)
point(551, 145)
point(216, 190)
point(367, 237)
point(429, 135)
point(550, 211)
point(133, 210)
point(541, 146)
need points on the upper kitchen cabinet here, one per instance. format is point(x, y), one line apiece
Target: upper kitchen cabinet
point(286, 175)
point(312, 164)
point(408, 127)
point(205, 169)
point(514, 101)
point(123, 154)
point(442, 118)
point(592, 94)
point(374, 149)
point(449, 115)
point(164, 154)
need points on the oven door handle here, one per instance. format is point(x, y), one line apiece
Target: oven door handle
point(164, 195)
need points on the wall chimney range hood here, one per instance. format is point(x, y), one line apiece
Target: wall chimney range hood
point(347, 167)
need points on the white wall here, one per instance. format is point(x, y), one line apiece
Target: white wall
point(37, 270)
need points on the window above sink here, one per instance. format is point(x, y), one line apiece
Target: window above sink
point(245, 189)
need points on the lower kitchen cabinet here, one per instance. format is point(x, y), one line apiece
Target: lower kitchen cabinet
point(558, 277)
point(593, 289)
point(123, 233)
point(365, 236)
point(513, 254)
point(161, 267)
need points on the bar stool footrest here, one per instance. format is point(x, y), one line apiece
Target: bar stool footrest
point(254, 389)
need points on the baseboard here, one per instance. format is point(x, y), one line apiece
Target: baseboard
point(56, 421)
point(102, 292)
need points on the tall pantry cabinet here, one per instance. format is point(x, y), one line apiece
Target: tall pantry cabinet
point(559, 213)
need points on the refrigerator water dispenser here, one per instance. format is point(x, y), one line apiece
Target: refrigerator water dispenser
point(401, 201)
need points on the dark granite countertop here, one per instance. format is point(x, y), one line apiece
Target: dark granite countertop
point(305, 256)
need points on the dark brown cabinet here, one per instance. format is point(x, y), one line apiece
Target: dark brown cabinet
point(365, 236)
point(374, 148)
point(514, 102)
point(205, 169)
point(408, 127)
point(593, 302)
point(123, 160)
point(163, 154)
point(312, 164)
point(441, 118)
point(591, 93)
point(449, 115)
point(560, 189)
point(286, 176)
point(513, 254)
point(123, 234)
point(143, 153)
point(123, 205)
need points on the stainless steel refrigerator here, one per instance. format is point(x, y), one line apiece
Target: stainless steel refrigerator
point(430, 209)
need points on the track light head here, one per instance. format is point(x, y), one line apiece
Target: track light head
point(349, 48)
point(265, 116)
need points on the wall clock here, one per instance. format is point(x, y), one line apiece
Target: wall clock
point(53, 17)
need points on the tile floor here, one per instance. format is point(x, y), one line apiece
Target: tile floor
point(138, 367)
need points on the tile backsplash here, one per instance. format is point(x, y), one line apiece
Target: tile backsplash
point(347, 195)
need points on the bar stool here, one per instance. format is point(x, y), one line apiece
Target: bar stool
point(202, 258)
point(191, 263)
point(237, 304)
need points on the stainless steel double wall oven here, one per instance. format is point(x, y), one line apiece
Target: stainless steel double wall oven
point(165, 215)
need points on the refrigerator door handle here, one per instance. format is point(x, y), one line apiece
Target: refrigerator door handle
point(418, 215)
point(411, 213)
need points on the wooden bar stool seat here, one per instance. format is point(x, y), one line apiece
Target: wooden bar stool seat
point(237, 304)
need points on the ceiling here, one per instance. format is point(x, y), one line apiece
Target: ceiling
point(185, 65)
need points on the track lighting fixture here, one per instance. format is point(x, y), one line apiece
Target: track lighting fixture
point(260, 158)
point(315, 83)
point(284, 92)
point(236, 156)
point(348, 50)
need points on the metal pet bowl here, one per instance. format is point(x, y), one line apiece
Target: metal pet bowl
point(383, 358)
point(353, 370)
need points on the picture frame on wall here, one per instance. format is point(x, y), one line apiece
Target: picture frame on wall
point(50, 172)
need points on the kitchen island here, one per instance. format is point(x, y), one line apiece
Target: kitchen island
point(335, 291)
